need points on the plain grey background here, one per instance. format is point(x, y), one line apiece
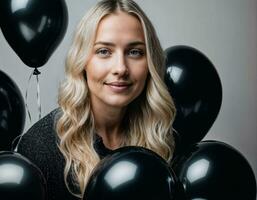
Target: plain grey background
point(225, 31)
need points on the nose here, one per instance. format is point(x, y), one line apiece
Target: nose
point(120, 67)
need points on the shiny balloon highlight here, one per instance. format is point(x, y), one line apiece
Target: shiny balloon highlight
point(12, 111)
point(131, 173)
point(212, 170)
point(20, 179)
point(195, 86)
point(33, 28)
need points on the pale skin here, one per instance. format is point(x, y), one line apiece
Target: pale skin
point(116, 73)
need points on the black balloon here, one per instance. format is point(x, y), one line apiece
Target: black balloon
point(212, 170)
point(131, 173)
point(12, 111)
point(33, 28)
point(196, 89)
point(20, 179)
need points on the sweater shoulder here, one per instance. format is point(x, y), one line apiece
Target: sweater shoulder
point(41, 139)
point(42, 131)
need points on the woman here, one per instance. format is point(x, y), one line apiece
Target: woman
point(113, 96)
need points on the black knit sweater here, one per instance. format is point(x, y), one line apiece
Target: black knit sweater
point(39, 145)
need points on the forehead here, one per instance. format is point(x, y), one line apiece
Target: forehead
point(120, 26)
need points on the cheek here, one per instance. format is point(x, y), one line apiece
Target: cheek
point(139, 68)
point(141, 73)
point(96, 72)
point(141, 77)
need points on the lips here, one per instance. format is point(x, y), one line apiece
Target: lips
point(119, 84)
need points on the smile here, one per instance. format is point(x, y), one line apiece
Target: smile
point(119, 86)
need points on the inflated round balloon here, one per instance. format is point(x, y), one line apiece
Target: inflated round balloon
point(20, 179)
point(195, 86)
point(33, 28)
point(131, 173)
point(214, 170)
point(12, 111)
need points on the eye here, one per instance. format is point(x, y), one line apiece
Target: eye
point(136, 53)
point(103, 52)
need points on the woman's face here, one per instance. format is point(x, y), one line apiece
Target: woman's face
point(117, 68)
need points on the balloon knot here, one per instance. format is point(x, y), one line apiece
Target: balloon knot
point(36, 72)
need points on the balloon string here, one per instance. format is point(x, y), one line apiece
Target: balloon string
point(35, 72)
point(38, 99)
point(26, 97)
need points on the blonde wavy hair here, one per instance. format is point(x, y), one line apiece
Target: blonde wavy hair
point(150, 120)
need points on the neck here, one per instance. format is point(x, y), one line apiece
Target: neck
point(108, 124)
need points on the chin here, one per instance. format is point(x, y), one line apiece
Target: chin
point(119, 102)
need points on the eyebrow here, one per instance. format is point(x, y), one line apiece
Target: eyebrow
point(134, 43)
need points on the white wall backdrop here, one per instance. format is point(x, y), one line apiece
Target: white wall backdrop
point(225, 31)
